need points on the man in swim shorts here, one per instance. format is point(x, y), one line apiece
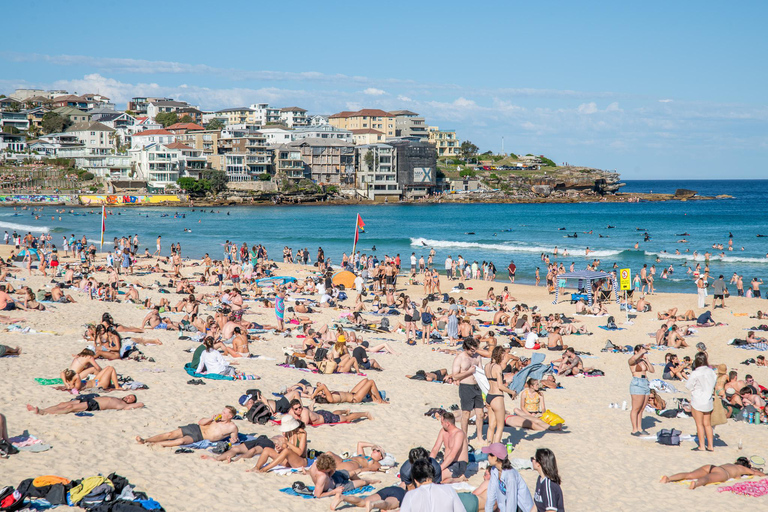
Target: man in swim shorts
point(329, 481)
point(470, 396)
point(215, 428)
point(87, 403)
point(456, 457)
point(388, 498)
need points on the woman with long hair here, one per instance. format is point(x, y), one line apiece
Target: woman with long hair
point(701, 383)
point(292, 452)
point(506, 488)
point(639, 388)
point(426, 321)
point(548, 494)
point(495, 396)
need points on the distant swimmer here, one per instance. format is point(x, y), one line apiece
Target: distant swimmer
point(641, 229)
point(469, 233)
point(575, 235)
point(683, 241)
point(761, 236)
point(587, 232)
point(561, 229)
point(373, 248)
point(730, 235)
point(604, 236)
point(683, 234)
point(610, 227)
point(424, 244)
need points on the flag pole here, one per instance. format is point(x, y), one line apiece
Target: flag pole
point(357, 228)
point(103, 224)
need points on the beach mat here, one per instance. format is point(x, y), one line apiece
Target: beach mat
point(360, 490)
point(49, 382)
point(606, 328)
point(191, 371)
point(762, 347)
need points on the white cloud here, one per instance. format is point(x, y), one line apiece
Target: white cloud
point(666, 101)
point(588, 108)
point(404, 99)
point(372, 91)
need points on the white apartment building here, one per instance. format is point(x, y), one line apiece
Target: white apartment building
point(322, 132)
point(294, 117)
point(263, 114)
point(141, 139)
point(275, 136)
point(162, 164)
point(376, 172)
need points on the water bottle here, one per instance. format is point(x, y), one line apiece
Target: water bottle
point(751, 418)
point(744, 416)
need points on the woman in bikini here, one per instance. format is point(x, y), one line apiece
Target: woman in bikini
point(531, 400)
point(495, 397)
point(711, 474)
point(639, 387)
point(293, 453)
point(323, 395)
point(105, 379)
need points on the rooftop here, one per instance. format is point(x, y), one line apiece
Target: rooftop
point(366, 112)
point(93, 126)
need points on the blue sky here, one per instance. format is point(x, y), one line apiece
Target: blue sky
point(652, 89)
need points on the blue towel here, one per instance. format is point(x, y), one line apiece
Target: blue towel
point(201, 445)
point(359, 490)
point(606, 328)
point(535, 370)
point(191, 371)
point(754, 346)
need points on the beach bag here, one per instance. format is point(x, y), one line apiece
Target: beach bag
point(551, 418)
point(426, 318)
point(327, 367)
point(258, 413)
point(10, 499)
point(669, 437)
point(342, 296)
point(718, 413)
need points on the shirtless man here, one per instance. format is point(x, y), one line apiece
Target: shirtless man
point(711, 474)
point(215, 428)
point(154, 321)
point(6, 301)
point(555, 340)
point(58, 296)
point(570, 363)
point(90, 403)
point(456, 455)
point(327, 478)
point(309, 417)
point(249, 449)
point(356, 395)
point(470, 396)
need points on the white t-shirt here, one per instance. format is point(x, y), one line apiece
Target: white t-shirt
point(325, 298)
point(359, 284)
point(413, 260)
point(448, 263)
point(432, 498)
point(531, 340)
point(701, 383)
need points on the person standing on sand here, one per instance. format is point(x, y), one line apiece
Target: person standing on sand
point(512, 268)
point(701, 289)
point(470, 396)
point(701, 382)
point(639, 388)
point(159, 246)
point(280, 308)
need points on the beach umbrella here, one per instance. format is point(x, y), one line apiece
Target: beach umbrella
point(344, 277)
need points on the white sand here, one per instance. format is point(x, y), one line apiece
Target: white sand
point(601, 465)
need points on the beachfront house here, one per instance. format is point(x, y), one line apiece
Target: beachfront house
point(141, 139)
point(369, 118)
point(160, 165)
point(410, 124)
point(376, 172)
point(444, 141)
point(329, 162)
point(293, 117)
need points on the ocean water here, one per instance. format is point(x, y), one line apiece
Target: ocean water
point(482, 232)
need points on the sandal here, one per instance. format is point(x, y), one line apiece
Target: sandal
point(695, 449)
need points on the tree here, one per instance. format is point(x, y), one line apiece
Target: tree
point(547, 162)
point(186, 119)
point(194, 187)
point(265, 176)
point(55, 123)
point(467, 173)
point(215, 124)
point(468, 149)
point(369, 160)
point(217, 179)
point(167, 118)
point(10, 129)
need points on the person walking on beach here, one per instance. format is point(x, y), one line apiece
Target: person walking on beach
point(701, 383)
point(512, 268)
point(280, 308)
point(470, 396)
point(159, 246)
point(639, 388)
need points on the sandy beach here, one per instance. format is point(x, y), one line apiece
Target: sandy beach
point(601, 465)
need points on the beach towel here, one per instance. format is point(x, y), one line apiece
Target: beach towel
point(762, 346)
point(49, 382)
point(360, 490)
point(277, 422)
point(202, 445)
point(606, 328)
point(482, 380)
point(534, 370)
point(755, 489)
point(29, 443)
point(214, 376)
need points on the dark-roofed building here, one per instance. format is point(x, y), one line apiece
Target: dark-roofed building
point(416, 167)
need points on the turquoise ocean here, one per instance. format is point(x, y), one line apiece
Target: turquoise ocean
point(484, 232)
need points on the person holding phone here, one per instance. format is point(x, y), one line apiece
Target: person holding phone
point(639, 388)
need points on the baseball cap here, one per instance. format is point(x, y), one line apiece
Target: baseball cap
point(496, 449)
point(365, 344)
point(244, 399)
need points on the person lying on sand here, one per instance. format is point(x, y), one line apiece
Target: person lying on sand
point(711, 474)
point(435, 375)
point(215, 428)
point(309, 417)
point(90, 403)
point(357, 394)
point(292, 452)
point(327, 478)
point(249, 449)
point(106, 379)
point(5, 350)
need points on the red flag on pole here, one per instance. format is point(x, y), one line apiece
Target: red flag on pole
point(359, 226)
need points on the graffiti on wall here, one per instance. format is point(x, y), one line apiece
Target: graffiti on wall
point(127, 199)
point(34, 198)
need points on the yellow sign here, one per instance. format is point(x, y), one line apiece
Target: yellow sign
point(625, 279)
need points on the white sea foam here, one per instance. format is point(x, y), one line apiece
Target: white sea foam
point(421, 242)
point(700, 257)
point(23, 227)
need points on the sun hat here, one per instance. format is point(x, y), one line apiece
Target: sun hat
point(288, 424)
point(496, 449)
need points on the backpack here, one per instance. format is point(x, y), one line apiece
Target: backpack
point(321, 353)
point(426, 318)
point(668, 437)
point(460, 286)
point(10, 499)
point(258, 413)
